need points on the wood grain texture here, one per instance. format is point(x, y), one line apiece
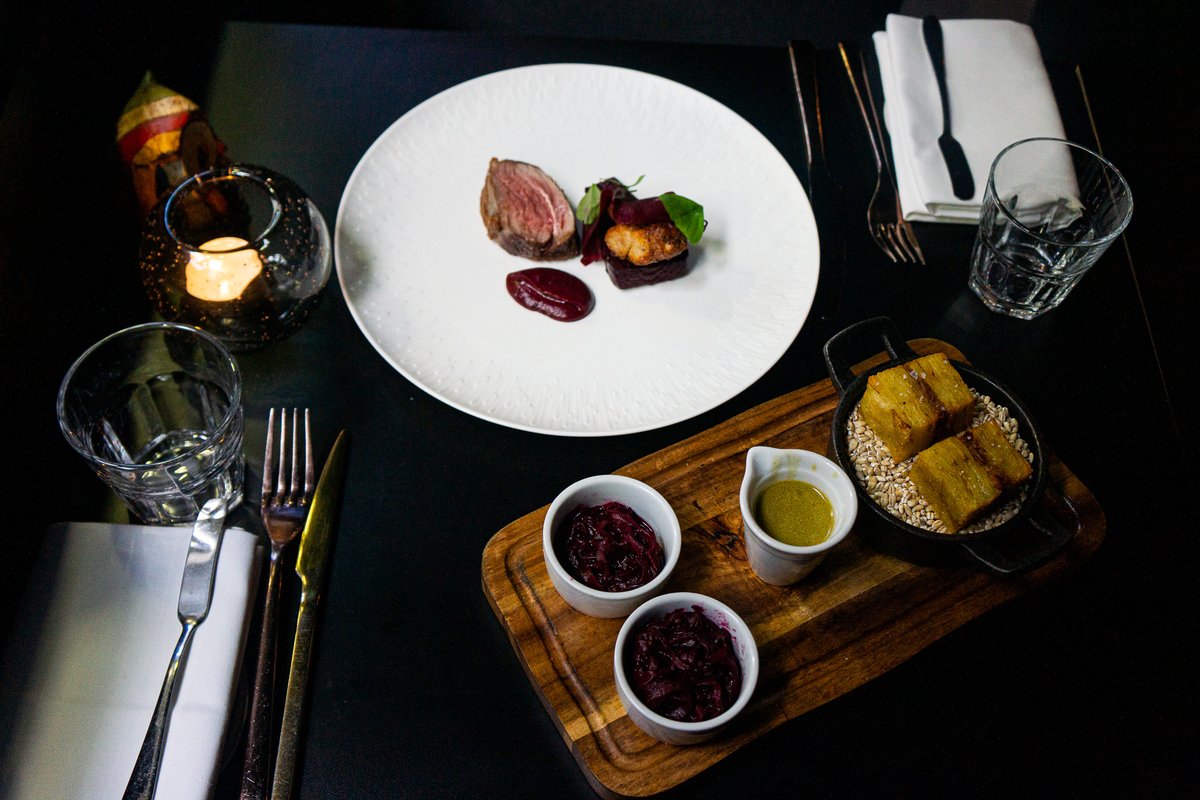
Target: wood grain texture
point(861, 613)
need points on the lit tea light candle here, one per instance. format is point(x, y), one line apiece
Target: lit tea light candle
point(220, 270)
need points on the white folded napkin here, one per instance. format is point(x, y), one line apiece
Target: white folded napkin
point(999, 93)
point(89, 652)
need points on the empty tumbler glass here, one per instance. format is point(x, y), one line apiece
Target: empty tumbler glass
point(1050, 210)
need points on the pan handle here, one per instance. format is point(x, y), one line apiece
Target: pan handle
point(1051, 525)
point(839, 362)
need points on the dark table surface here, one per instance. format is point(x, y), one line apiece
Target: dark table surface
point(1083, 687)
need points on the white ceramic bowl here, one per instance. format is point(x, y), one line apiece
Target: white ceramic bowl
point(772, 560)
point(649, 505)
point(658, 726)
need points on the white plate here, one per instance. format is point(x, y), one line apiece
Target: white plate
point(426, 285)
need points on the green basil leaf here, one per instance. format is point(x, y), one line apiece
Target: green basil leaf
point(589, 205)
point(688, 215)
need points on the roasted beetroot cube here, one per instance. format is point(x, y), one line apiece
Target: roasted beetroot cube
point(627, 276)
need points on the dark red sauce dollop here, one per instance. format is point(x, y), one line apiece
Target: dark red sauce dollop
point(609, 547)
point(557, 294)
point(684, 666)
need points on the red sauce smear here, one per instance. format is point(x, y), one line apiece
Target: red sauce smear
point(684, 666)
point(557, 294)
point(610, 548)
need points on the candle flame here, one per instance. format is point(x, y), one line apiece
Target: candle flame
point(220, 271)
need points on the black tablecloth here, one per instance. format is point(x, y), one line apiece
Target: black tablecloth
point(1086, 687)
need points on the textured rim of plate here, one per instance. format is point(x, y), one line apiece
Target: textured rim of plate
point(687, 414)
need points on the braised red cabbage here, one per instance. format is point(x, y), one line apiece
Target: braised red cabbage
point(640, 212)
point(684, 666)
point(591, 235)
point(609, 547)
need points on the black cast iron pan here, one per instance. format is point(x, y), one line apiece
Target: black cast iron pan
point(1004, 549)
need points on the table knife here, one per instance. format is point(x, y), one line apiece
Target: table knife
point(311, 562)
point(195, 598)
point(961, 179)
point(803, 60)
point(824, 193)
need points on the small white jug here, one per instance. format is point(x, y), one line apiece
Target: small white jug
point(772, 560)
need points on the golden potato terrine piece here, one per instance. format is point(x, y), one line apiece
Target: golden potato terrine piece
point(957, 487)
point(940, 375)
point(911, 406)
point(963, 476)
point(992, 448)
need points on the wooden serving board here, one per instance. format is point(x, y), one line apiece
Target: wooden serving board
point(859, 614)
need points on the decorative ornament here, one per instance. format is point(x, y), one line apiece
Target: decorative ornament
point(164, 138)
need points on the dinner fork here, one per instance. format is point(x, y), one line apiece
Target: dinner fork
point(902, 231)
point(285, 506)
point(881, 209)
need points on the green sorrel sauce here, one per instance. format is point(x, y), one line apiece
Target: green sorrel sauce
point(795, 513)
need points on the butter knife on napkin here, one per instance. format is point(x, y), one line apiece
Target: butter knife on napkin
point(999, 93)
point(195, 599)
point(961, 181)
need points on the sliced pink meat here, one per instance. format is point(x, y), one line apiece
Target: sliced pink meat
point(526, 212)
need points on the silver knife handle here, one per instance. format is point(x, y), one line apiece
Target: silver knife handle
point(293, 705)
point(144, 779)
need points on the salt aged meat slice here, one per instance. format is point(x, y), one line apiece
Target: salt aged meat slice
point(526, 212)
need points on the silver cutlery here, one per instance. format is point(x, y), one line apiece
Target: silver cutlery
point(818, 180)
point(311, 561)
point(195, 598)
point(285, 505)
point(881, 209)
point(824, 194)
point(903, 234)
point(803, 60)
point(961, 179)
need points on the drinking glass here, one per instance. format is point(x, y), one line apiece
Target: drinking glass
point(156, 410)
point(1050, 210)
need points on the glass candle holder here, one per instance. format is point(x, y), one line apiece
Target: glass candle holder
point(239, 251)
